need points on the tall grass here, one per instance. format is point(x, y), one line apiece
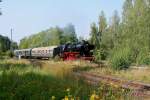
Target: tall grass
point(135, 74)
point(121, 58)
point(22, 80)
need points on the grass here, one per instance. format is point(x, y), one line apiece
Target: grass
point(41, 80)
point(136, 74)
point(140, 74)
point(21, 80)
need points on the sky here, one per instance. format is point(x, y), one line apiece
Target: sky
point(28, 17)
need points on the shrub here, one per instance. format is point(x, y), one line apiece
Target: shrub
point(9, 54)
point(100, 54)
point(121, 58)
point(97, 55)
point(143, 58)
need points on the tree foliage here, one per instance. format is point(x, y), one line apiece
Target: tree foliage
point(4, 43)
point(97, 32)
point(93, 34)
point(5, 46)
point(52, 36)
point(132, 33)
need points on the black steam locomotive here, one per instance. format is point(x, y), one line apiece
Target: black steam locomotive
point(72, 51)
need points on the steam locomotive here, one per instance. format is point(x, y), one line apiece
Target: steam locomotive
point(68, 51)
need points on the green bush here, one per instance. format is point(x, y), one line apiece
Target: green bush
point(2, 54)
point(9, 54)
point(100, 54)
point(97, 55)
point(121, 58)
point(143, 58)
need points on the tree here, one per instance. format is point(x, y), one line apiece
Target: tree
point(69, 34)
point(125, 41)
point(14, 45)
point(4, 43)
point(127, 8)
point(58, 36)
point(93, 34)
point(96, 35)
point(102, 22)
point(114, 29)
point(24, 43)
point(49, 37)
point(111, 35)
point(102, 27)
point(115, 20)
point(134, 34)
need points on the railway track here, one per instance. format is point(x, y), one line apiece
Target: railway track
point(139, 89)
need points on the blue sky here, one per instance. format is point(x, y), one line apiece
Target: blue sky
point(27, 17)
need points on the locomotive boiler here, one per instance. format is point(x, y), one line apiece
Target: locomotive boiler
point(73, 51)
